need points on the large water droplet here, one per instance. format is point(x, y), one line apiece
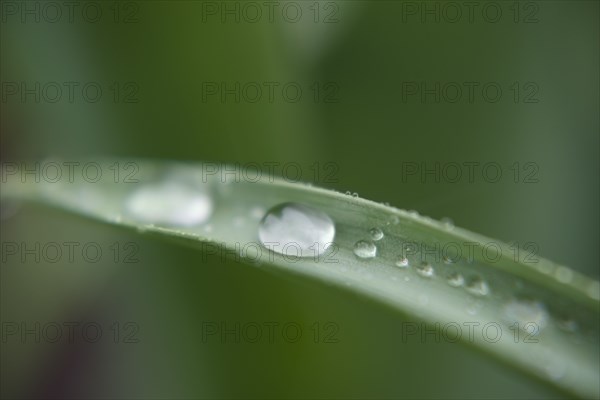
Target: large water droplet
point(425, 270)
point(376, 233)
point(296, 230)
point(365, 249)
point(530, 316)
point(171, 203)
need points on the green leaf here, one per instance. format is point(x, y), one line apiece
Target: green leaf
point(547, 314)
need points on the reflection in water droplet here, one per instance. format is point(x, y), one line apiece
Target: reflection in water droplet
point(478, 287)
point(365, 249)
point(296, 230)
point(402, 262)
point(376, 234)
point(455, 279)
point(425, 270)
point(171, 203)
point(531, 316)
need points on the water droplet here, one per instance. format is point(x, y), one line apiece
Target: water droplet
point(425, 270)
point(395, 220)
point(171, 203)
point(376, 234)
point(365, 249)
point(448, 223)
point(354, 194)
point(296, 230)
point(349, 193)
point(447, 260)
point(478, 287)
point(402, 262)
point(456, 280)
point(530, 315)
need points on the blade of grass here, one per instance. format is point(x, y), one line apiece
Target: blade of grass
point(533, 314)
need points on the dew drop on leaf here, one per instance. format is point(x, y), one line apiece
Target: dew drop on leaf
point(365, 249)
point(171, 203)
point(297, 230)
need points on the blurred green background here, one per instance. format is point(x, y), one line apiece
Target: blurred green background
point(354, 61)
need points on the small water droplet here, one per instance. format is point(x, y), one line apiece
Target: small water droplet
point(171, 203)
point(349, 193)
point(395, 220)
point(448, 223)
point(425, 270)
point(296, 230)
point(447, 260)
point(456, 280)
point(365, 249)
point(376, 234)
point(531, 316)
point(402, 262)
point(355, 194)
point(478, 287)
